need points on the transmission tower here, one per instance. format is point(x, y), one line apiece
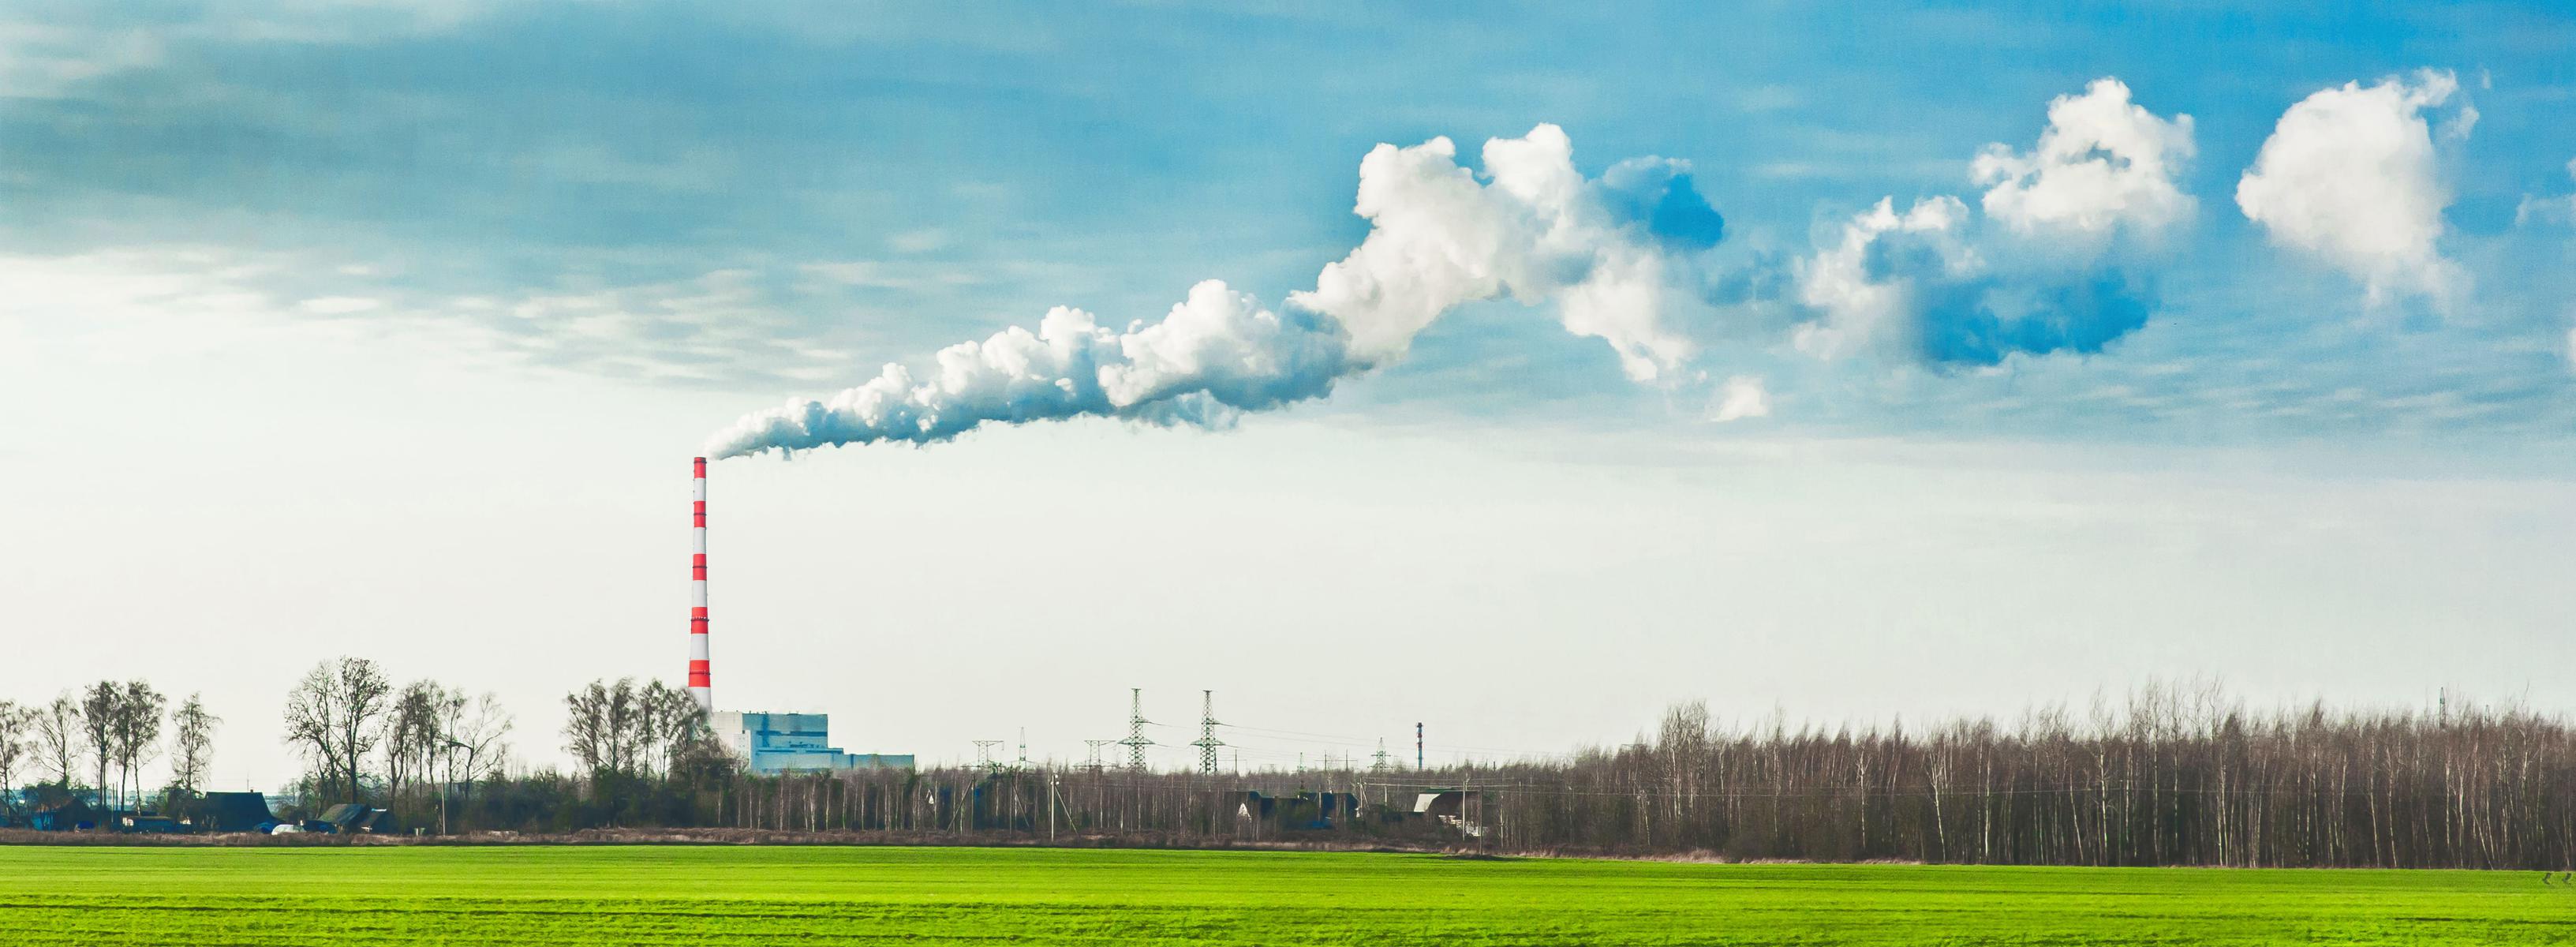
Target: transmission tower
point(1207, 741)
point(984, 755)
point(1136, 742)
point(1380, 765)
point(1092, 762)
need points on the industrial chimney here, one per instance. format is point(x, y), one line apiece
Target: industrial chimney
point(701, 685)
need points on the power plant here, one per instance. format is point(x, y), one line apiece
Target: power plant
point(769, 743)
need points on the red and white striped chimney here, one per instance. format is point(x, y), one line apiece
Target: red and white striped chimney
point(701, 685)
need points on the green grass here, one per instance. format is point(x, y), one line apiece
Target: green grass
point(828, 895)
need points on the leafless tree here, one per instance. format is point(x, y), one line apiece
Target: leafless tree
point(136, 733)
point(100, 706)
point(192, 740)
point(335, 717)
point(15, 749)
point(414, 736)
point(475, 731)
point(58, 739)
point(623, 728)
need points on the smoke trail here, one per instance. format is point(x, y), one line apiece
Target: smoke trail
point(1611, 254)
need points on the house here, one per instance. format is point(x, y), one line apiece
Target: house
point(1247, 804)
point(348, 818)
point(150, 825)
point(234, 812)
point(1319, 810)
point(69, 816)
point(1461, 808)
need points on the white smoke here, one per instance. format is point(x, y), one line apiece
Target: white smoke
point(1609, 255)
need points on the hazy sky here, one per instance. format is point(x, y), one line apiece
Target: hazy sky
point(386, 329)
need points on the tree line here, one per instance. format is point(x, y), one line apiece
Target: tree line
point(2172, 776)
point(105, 728)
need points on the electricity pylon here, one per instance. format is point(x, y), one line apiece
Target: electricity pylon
point(1136, 742)
point(1207, 741)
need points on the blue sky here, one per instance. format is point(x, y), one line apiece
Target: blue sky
point(249, 249)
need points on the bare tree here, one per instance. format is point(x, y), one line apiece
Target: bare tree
point(413, 736)
point(335, 716)
point(605, 725)
point(192, 740)
point(137, 734)
point(15, 749)
point(58, 739)
point(475, 731)
point(99, 707)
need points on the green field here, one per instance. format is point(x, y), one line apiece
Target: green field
point(836, 895)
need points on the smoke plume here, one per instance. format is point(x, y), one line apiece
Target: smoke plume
point(1612, 256)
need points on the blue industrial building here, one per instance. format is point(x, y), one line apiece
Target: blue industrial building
point(773, 743)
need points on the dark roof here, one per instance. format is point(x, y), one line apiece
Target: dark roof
point(236, 812)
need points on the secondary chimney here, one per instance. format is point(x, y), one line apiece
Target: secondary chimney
point(701, 685)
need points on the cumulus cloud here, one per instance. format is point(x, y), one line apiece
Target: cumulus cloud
point(2040, 273)
point(2350, 176)
point(2558, 208)
point(1741, 397)
point(1612, 257)
point(2103, 162)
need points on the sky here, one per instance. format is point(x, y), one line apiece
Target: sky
point(1848, 364)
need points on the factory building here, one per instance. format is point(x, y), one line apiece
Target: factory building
point(793, 743)
point(769, 743)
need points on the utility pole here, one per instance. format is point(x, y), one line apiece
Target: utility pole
point(1417, 744)
point(1136, 742)
point(1207, 741)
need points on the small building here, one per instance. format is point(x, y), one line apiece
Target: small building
point(348, 818)
point(234, 812)
point(73, 815)
point(1248, 804)
point(774, 743)
point(1319, 810)
point(1461, 808)
point(151, 825)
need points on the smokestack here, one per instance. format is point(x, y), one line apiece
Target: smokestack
point(700, 682)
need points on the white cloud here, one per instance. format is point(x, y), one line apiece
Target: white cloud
point(2102, 162)
point(1859, 305)
point(2351, 177)
point(1741, 397)
point(1936, 284)
point(2561, 209)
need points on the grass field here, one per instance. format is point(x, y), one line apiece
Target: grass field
point(833, 895)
